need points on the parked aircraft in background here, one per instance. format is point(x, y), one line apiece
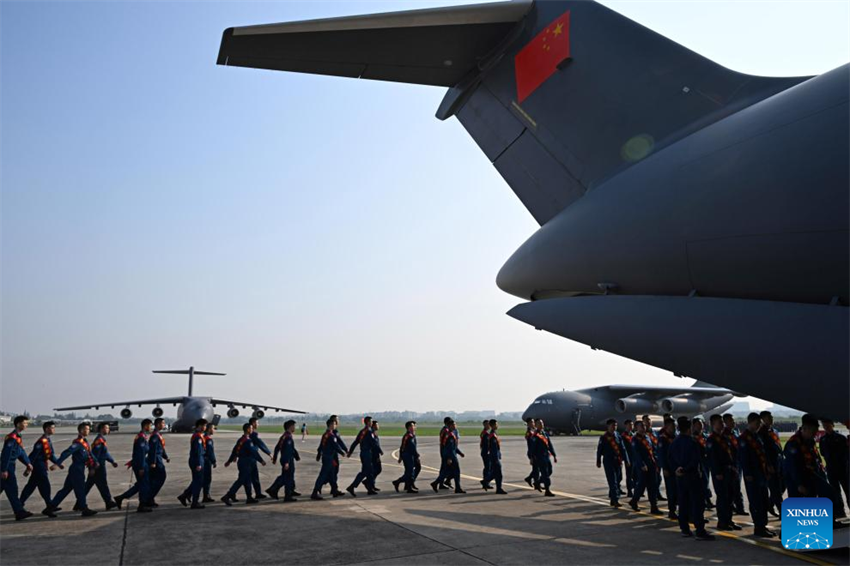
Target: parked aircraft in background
point(190, 408)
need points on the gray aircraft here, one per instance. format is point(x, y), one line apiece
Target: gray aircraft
point(691, 217)
point(190, 408)
point(570, 412)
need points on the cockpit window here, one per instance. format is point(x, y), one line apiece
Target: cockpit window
point(542, 402)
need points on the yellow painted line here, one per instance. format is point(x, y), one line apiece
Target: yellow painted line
point(597, 501)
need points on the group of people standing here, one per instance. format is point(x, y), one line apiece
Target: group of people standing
point(685, 457)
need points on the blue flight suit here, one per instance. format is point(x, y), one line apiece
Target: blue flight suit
point(534, 476)
point(773, 449)
point(627, 437)
point(542, 450)
point(732, 437)
point(702, 440)
point(366, 475)
point(833, 446)
point(665, 441)
point(685, 454)
point(484, 447)
point(246, 456)
point(377, 467)
point(330, 448)
point(197, 461)
point(101, 455)
point(611, 455)
point(209, 462)
point(342, 445)
point(443, 474)
point(81, 458)
point(803, 468)
point(156, 463)
point(255, 473)
point(41, 457)
point(410, 458)
point(494, 455)
point(285, 448)
point(647, 480)
point(753, 462)
point(724, 474)
point(653, 438)
point(141, 471)
point(13, 450)
point(450, 468)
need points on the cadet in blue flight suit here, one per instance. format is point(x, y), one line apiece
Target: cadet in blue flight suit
point(773, 448)
point(724, 472)
point(197, 457)
point(833, 446)
point(494, 453)
point(209, 461)
point(13, 450)
point(329, 451)
point(366, 440)
point(409, 455)
point(653, 438)
point(753, 461)
point(377, 468)
point(699, 434)
point(42, 457)
point(533, 478)
point(141, 471)
point(612, 453)
point(157, 457)
point(627, 435)
point(645, 467)
point(543, 450)
point(285, 447)
point(261, 446)
point(101, 455)
point(730, 430)
point(81, 458)
point(685, 456)
point(341, 443)
point(246, 456)
point(665, 441)
point(443, 474)
point(484, 447)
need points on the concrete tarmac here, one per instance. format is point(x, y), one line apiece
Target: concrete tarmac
point(523, 527)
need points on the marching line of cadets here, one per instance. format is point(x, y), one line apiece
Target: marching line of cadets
point(689, 463)
point(754, 457)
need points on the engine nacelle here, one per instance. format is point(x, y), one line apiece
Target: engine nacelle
point(634, 406)
point(232, 412)
point(682, 405)
point(259, 413)
point(126, 413)
point(157, 412)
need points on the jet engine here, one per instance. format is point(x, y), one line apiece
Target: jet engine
point(682, 405)
point(157, 412)
point(126, 413)
point(259, 413)
point(634, 405)
point(232, 412)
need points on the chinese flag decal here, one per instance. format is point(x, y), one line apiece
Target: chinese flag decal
point(540, 58)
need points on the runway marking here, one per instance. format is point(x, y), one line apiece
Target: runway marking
point(597, 501)
point(689, 557)
point(715, 561)
point(577, 542)
point(652, 552)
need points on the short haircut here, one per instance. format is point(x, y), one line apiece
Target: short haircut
point(529, 420)
point(47, 424)
point(669, 420)
point(825, 421)
point(288, 423)
point(728, 416)
point(645, 417)
point(100, 426)
point(809, 420)
point(21, 418)
point(146, 422)
point(253, 420)
point(627, 421)
point(485, 422)
point(610, 422)
point(245, 427)
point(715, 417)
point(330, 421)
point(374, 423)
point(81, 426)
point(158, 420)
point(210, 426)
point(408, 424)
point(492, 422)
point(447, 420)
point(753, 417)
point(367, 419)
point(697, 420)
point(201, 422)
point(764, 414)
point(684, 423)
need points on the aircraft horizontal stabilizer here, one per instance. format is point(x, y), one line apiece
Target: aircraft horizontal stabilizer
point(437, 46)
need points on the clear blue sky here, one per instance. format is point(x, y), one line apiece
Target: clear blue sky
point(327, 242)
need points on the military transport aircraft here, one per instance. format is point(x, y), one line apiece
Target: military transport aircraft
point(190, 408)
point(571, 412)
point(691, 217)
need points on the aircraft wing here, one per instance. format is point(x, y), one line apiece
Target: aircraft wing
point(651, 392)
point(436, 46)
point(243, 404)
point(160, 401)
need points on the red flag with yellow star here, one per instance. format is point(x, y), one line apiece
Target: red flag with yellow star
point(541, 56)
